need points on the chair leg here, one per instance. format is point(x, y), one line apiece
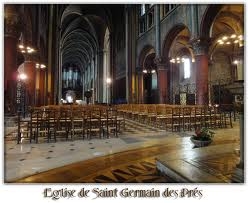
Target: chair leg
point(48, 136)
point(36, 137)
point(54, 134)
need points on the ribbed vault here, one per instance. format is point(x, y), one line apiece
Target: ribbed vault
point(82, 31)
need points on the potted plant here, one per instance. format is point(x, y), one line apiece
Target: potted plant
point(202, 137)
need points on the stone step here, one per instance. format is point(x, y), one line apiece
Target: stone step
point(182, 167)
point(184, 172)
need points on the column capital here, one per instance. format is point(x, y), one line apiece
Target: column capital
point(12, 22)
point(162, 63)
point(200, 46)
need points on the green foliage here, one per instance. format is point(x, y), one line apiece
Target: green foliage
point(203, 134)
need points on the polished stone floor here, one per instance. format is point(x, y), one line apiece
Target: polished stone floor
point(129, 158)
point(210, 164)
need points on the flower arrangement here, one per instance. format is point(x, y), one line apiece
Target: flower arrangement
point(203, 134)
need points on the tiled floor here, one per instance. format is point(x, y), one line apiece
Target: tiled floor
point(101, 160)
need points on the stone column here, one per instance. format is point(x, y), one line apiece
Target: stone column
point(162, 68)
point(100, 76)
point(140, 85)
point(127, 51)
point(82, 82)
point(104, 76)
point(112, 69)
point(172, 84)
point(11, 34)
point(241, 120)
point(59, 81)
point(238, 174)
point(162, 71)
point(96, 77)
point(200, 49)
point(37, 86)
point(93, 85)
point(53, 90)
point(42, 86)
point(30, 69)
point(157, 30)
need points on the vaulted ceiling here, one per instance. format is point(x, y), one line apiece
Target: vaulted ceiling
point(82, 33)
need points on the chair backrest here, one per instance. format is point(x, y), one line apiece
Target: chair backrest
point(187, 112)
point(176, 111)
point(112, 113)
point(63, 119)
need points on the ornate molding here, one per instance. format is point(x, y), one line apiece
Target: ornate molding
point(200, 46)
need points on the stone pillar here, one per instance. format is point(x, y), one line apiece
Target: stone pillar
point(172, 84)
point(42, 87)
point(59, 81)
point(96, 77)
point(140, 85)
point(54, 60)
point(238, 174)
point(241, 120)
point(127, 51)
point(200, 49)
point(162, 71)
point(93, 85)
point(162, 67)
point(157, 30)
point(82, 82)
point(37, 86)
point(104, 76)
point(30, 69)
point(100, 76)
point(11, 34)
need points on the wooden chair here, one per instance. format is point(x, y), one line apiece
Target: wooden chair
point(78, 123)
point(168, 117)
point(198, 117)
point(220, 117)
point(93, 122)
point(227, 110)
point(151, 116)
point(44, 123)
point(143, 113)
point(111, 124)
point(186, 118)
point(63, 124)
point(176, 119)
point(160, 116)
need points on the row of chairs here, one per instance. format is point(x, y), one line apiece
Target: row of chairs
point(70, 123)
point(177, 117)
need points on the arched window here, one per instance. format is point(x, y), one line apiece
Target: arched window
point(186, 68)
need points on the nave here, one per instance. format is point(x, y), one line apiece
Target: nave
point(128, 158)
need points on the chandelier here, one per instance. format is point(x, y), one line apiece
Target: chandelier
point(232, 39)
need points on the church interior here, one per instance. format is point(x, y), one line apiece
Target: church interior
point(124, 93)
